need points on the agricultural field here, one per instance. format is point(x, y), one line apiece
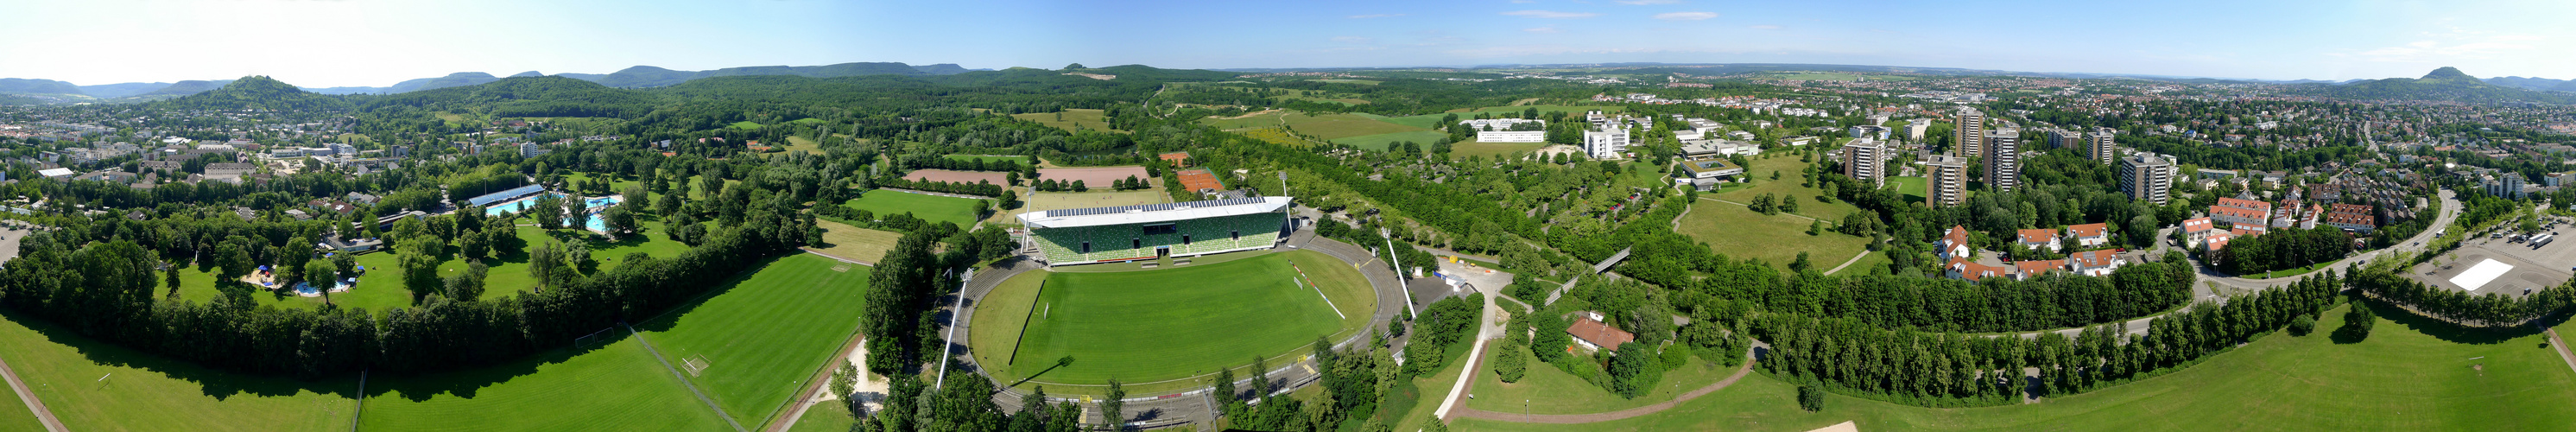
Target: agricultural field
point(1326, 126)
point(1381, 142)
point(95, 385)
point(760, 337)
point(1427, 120)
point(2410, 374)
point(1071, 119)
point(845, 241)
point(931, 208)
point(614, 386)
point(1149, 326)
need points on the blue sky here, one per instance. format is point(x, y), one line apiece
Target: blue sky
point(379, 42)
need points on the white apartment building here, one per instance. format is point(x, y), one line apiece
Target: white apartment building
point(1865, 160)
point(1607, 143)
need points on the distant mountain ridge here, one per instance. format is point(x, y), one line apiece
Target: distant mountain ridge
point(37, 86)
point(650, 76)
point(2444, 84)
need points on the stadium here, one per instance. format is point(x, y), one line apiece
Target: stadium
point(1153, 231)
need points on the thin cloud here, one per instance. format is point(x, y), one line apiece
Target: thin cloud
point(1647, 2)
point(1375, 16)
point(1542, 30)
point(1685, 16)
point(1551, 14)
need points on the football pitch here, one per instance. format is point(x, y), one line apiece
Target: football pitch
point(764, 336)
point(1161, 325)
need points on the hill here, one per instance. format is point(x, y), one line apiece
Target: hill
point(37, 86)
point(2444, 84)
point(541, 96)
point(649, 76)
point(112, 91)
point(2534, 83)
point(255, 92)
point(182, 88)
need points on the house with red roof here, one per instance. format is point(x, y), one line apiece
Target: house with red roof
point(2241, 212)
point(2197, 230)
point(2090, 235)
point(1595, 335)
point(2036, 239)
point(1954, 244)
point(2093, 263)
point(1961, 268)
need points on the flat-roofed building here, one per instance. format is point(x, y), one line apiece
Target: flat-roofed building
point(2147, 177)
point(1946, 181)
point(1865, 160)
point(2099, 146)
point(2003, 159)
point(1970, 133)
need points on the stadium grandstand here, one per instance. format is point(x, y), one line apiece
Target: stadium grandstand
point(513, 193)
point(1150, 231)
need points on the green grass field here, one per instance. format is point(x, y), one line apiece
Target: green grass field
point(843, 240)
point(764, 335)
point(617, 386)
point(1787, 165)
point(1350, 81)
point(381, 287)
point(16, 418)
point(1493, 150)
point(2409, 375)
point(1544, 389)
point(932, 208)
point(1165, 324)
point(829, 416)
point(93, 385)
point(1088, 119)
point(1914, 189)
point(1741, 233)
point(1380, 142)
point(745, 125)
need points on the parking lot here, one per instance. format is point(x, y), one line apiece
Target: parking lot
point(2506, 266)
point(9, 243)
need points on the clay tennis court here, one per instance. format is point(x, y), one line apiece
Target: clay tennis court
point(1199, 180)
point(1092, 177)
point(994, 177)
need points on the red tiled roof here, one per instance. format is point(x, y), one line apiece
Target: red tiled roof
point(2089, 230)
point(1957, 235)
point(2195, 225)
point(2038, 235)
point(1973, 271)
point(2035, 267)
point(2238, 212)
point(2244, 204)
point(2099, 258)
point(1599, 333)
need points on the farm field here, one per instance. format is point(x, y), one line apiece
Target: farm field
point(763, 335)
point(1096, 177)
point(616, 386)
point(1381, 142)
point(1426, 120)
point(931, 208)
point(843, 240)
point(1086, 119)
point(951, 176)
point(1740, 233)
point(1146, 326)
point(2408, 375)
point(1326, 126)
point(95, 385)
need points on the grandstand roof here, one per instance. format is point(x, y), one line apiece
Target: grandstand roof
point(488, 199)
point(1151, 213)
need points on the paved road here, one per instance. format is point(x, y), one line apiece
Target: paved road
point(1489, 327)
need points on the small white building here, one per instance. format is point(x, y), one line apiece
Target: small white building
point(1511, 136)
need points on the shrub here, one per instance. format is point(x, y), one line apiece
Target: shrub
point(1676, 355)
point(2357, 323)
point(1811, 398)
point(1513, 364)
point(2301, 325)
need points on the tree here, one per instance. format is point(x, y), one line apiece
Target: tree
point(2357, 323)
point(322, 274)
point(549, 212)
point(467, 286)
point(1801, 264)
point(2303, 324)
point(576, 214)
point(620, 220)
point(232, 260)
point(1789, 205)
point(420, 268)
point(1513, 363)
point(1112, 408)
point(1811, 398)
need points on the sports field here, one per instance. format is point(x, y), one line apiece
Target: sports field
point(1096, 177)
point(931, 208)
point(92, 385)
point(1382, 141)
point(1151, 326)
point(845, 241)
point(761, 337)
point(2409, 375)
point(616, 386)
